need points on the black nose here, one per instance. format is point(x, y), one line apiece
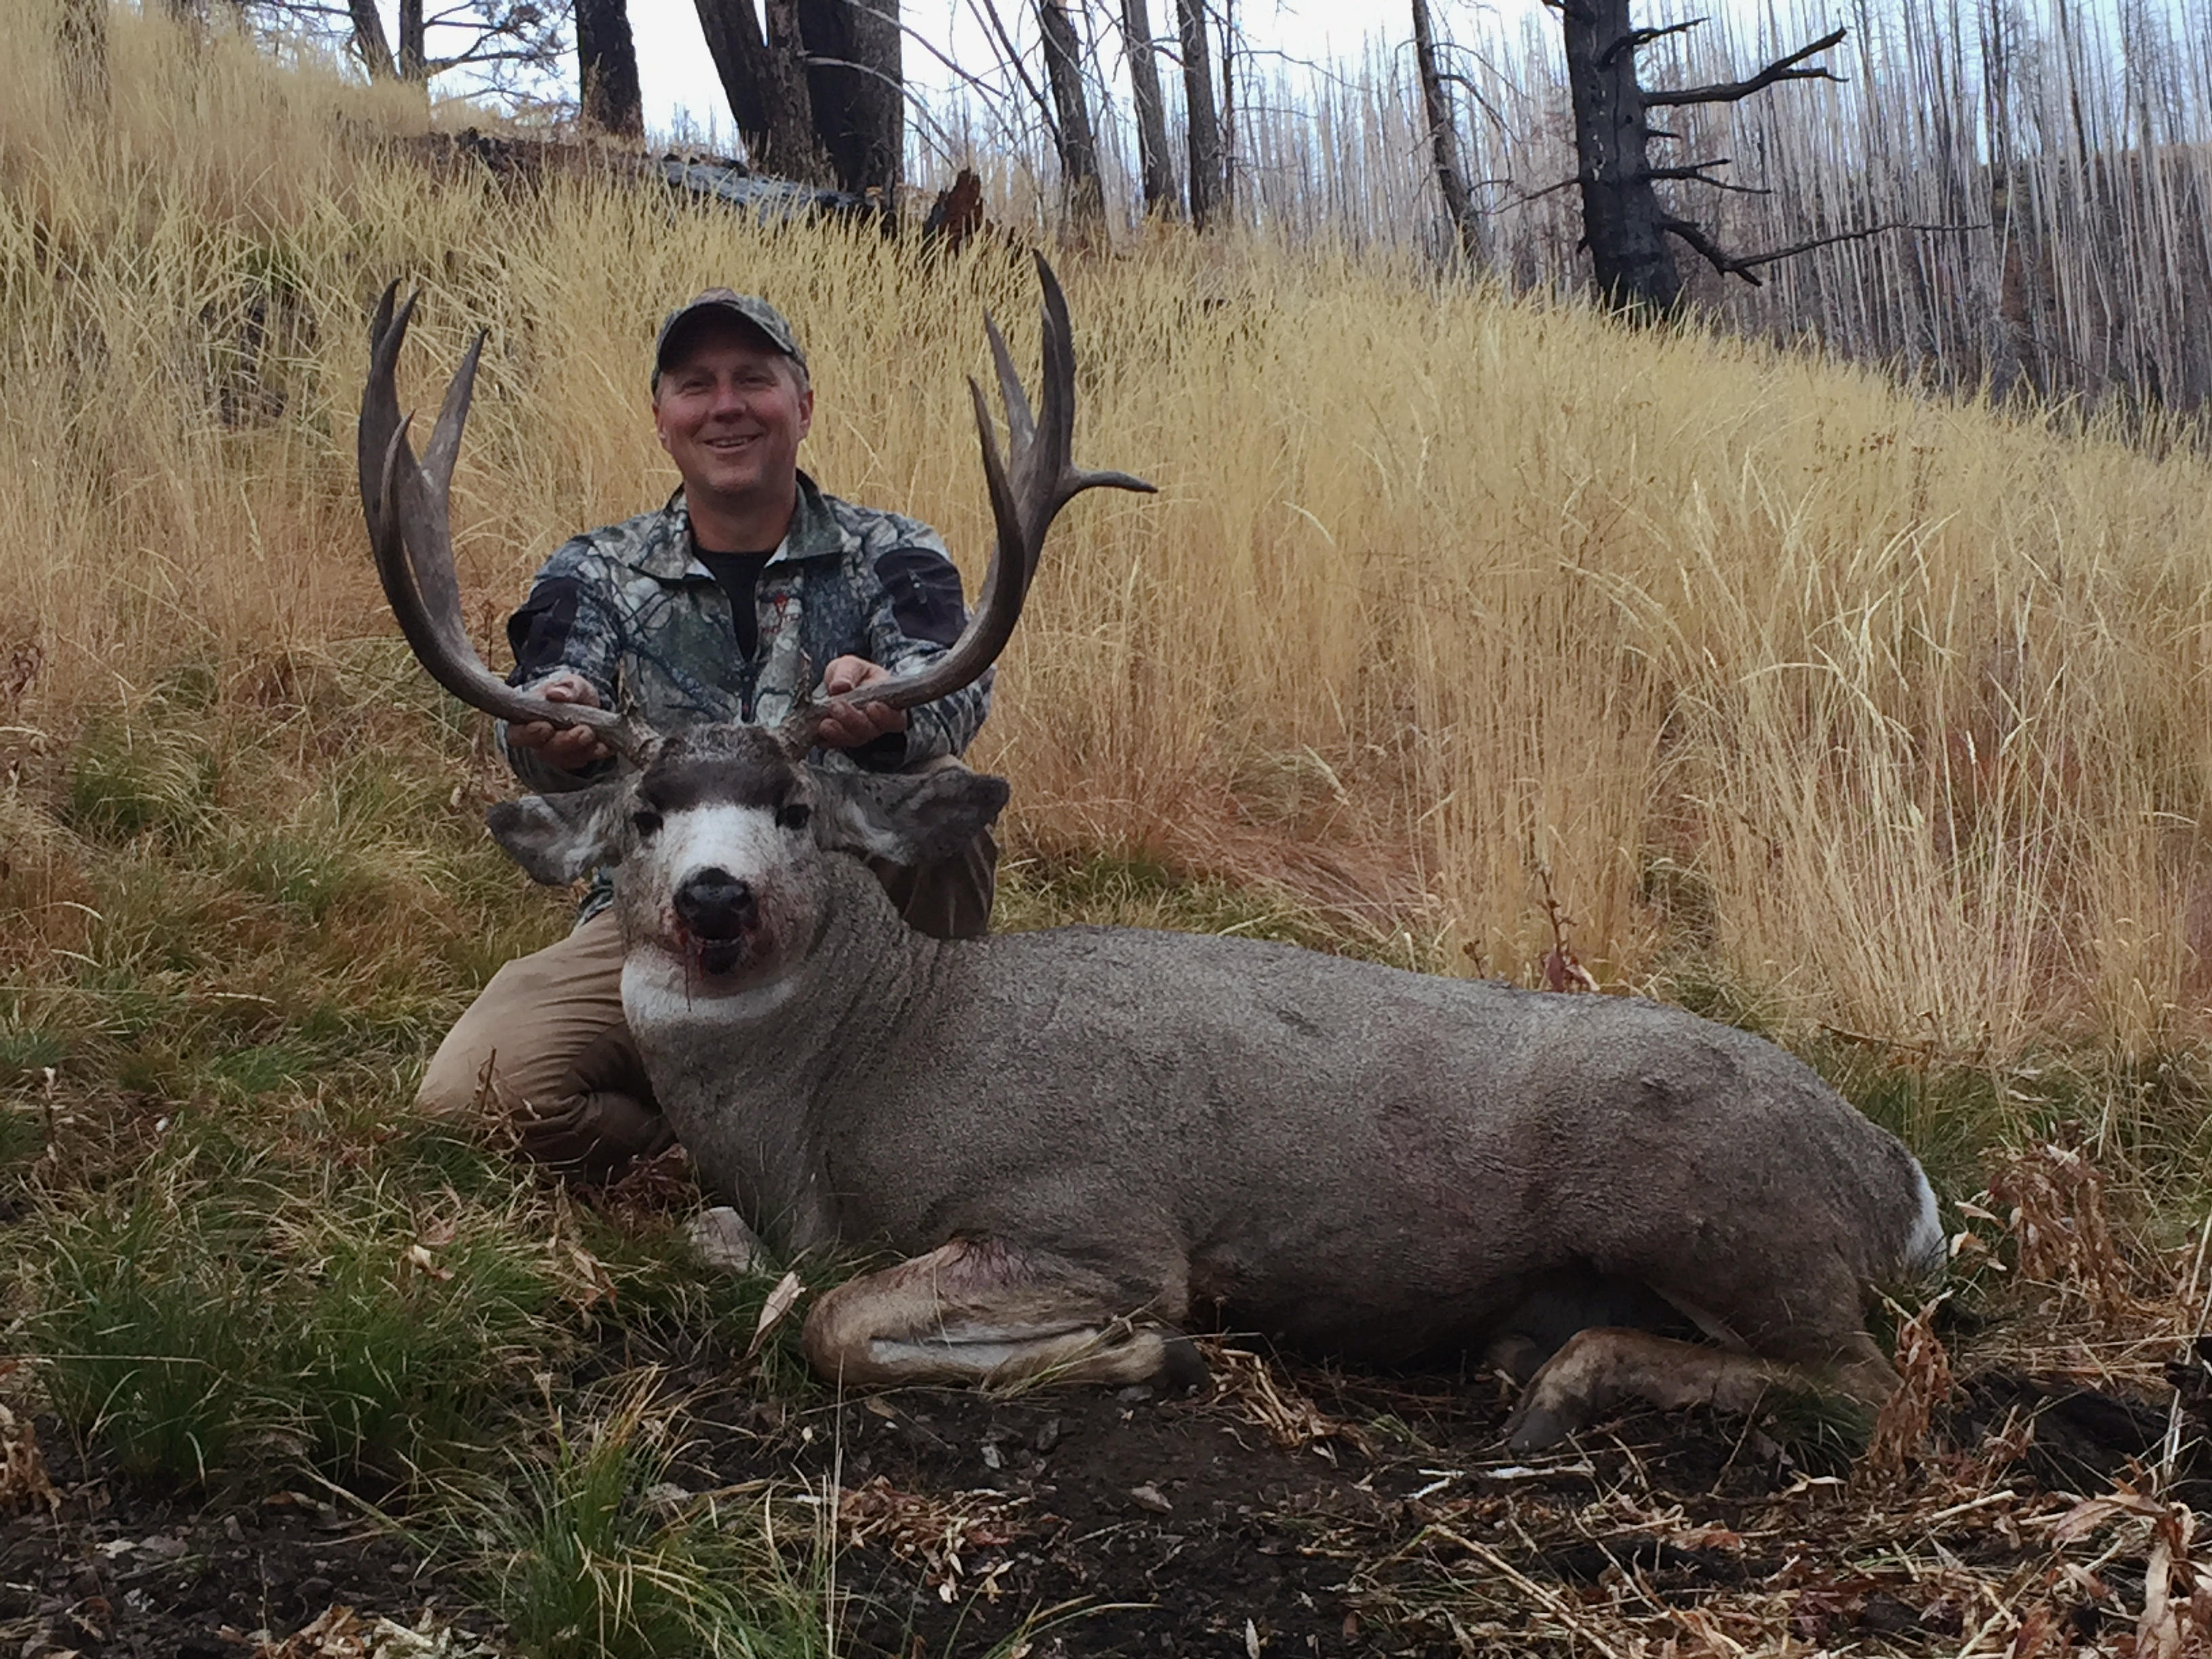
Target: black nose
point(714, 905)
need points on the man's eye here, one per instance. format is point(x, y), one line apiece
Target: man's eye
point(795, 815)
point(645, 822)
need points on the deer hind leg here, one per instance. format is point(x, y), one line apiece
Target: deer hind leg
point(1600, 1368)
point(976, 1311)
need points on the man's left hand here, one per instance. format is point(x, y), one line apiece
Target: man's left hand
point(847, 726)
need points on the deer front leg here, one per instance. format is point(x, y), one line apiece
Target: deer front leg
point(979, 1311)
point(1599, 1368)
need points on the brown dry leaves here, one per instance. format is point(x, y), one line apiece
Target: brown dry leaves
point(1245, 1382)
point(23, 1479)
point(941, 1533)
point(2055, 1198)
point(1900, 1432)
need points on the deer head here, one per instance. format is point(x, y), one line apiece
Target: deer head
point(717, 831)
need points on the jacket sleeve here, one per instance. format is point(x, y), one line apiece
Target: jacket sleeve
point(915, 613)
point(570, 624)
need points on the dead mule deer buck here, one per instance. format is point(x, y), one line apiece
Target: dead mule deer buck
point(1079, 1139)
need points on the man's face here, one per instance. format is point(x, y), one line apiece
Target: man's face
point(730, 412)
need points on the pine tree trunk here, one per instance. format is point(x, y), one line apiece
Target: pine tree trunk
point(1443, 140)
point(606, 68)
point(853, 76)
point(1151, 112)
point(1084, 189)
point(764, 77)
point(1631, 255)
point(414, 49)
point(1203, 120)
point(369, 43)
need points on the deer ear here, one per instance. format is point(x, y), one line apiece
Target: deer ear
point(908, 818)
point(557, 838)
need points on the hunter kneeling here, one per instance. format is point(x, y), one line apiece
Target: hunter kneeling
point(713, 609)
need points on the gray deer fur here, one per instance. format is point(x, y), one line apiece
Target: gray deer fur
point(1115, 1130)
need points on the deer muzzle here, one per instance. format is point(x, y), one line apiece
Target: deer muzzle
point(719, 912)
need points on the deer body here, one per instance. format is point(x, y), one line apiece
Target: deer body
point(1077, 1140)
point(1360, 1159)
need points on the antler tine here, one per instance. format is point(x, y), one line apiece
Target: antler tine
point(1027, 484)
point(405, 504)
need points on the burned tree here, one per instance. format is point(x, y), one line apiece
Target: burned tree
point(1152, 111)
point(608, 96)
point(1443, 138)
point(855, 79)
point(764, 75)
point(1629, 231)
point(1073, 137)
point(1202, 122)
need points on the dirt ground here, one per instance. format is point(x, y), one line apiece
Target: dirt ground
point(1251, 1518)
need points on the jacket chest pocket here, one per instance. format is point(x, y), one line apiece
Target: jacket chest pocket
point(784, 669)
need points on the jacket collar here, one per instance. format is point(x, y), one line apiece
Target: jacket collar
point(664, 550)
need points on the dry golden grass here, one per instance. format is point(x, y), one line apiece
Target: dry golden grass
point(1895, 712)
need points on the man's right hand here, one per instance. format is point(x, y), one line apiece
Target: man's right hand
point(571, 748)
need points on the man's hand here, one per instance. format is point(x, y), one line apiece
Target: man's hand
point(571, 748)
point(849, 726)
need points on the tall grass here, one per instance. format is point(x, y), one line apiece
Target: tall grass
point(1894, 710)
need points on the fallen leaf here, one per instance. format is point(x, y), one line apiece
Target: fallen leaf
point(1148, 1497)
point(781, 1301)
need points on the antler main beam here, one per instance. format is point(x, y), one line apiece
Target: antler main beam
point(406, 505)
point(1026, 496)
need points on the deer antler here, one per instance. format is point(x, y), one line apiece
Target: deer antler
point(1025, 498)
point(406, 506)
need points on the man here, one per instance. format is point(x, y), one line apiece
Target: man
point(726, 605)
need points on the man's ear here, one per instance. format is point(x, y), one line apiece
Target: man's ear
point(908, 818)
point(557, 838)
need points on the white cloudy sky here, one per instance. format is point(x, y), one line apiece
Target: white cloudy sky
point(679, 78)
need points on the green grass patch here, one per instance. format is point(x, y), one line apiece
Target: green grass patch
point(592, 1550)
point(224, 1308)
point(128, 778)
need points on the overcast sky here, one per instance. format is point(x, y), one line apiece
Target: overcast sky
point(679, 77)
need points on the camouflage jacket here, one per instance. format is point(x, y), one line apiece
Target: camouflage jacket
point(631, 609)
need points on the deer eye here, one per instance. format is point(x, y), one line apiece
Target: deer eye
point(645, 822)
point(793, 814)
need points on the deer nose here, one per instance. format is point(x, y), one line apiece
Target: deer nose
point(714, 905)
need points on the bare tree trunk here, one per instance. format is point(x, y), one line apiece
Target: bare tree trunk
point(1079, 178)
point(414, 49)
point(1202, 122)
point(1630, 235)
point(764, 77)
point(853, 75)
point(608, 97)
point(1623, 223)
point(82, 31)
point(1151, 112)
point(1443, 139)
point(369, 44)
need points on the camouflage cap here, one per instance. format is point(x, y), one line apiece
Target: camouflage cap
point(743, 307)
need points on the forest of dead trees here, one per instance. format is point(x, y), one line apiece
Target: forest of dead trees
point(2009, 194)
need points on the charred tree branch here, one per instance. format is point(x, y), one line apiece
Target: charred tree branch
point(1635, 40)
point(1792, 68)
point(1745, 264)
